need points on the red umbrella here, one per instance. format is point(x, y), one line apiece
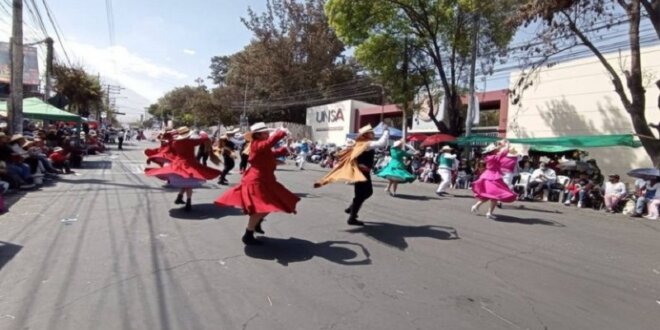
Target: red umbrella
point(416, 137)
point(437, 138)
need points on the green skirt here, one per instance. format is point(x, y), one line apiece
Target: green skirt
point(396, 172)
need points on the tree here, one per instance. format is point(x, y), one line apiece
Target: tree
point(219, 69)
point(567, 24)
point(293, 50)
point(83, 90)
point(186, 105)
point(436, 29)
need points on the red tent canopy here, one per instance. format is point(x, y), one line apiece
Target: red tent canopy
point(418, 137)
point(438, 138)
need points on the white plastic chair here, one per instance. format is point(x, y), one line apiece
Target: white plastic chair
point(524, 181)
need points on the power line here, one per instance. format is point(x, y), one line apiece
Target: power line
point(111, 21)
point(36, 17)
point(57, 32)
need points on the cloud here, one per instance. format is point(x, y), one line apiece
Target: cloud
point(117, 63)
point(189, 51)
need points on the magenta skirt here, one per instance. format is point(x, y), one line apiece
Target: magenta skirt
point(484, 189)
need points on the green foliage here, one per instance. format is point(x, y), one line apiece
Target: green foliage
point(293, 49)
point(438, 34)
point(189, 106)
point(83, 90)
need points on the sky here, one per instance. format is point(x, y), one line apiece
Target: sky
point(158, 44)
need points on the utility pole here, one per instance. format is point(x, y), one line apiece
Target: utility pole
point(110, 100)
point(49, 67)
point(243, 119)
point(473, 71)
point(199, 82)
point(15, 111)
point(405, 88)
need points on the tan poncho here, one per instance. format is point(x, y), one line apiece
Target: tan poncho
point(347, 170)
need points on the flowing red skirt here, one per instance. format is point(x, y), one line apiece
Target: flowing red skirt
point(185, 169)
point(160, 156)
point(259, 197)
point(485, 189)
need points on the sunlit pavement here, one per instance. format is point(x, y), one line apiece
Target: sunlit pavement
point(108, 249)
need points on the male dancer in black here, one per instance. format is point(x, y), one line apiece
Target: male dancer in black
point(227, 156)
point(355, 166)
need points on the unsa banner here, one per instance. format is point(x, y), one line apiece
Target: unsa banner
point(30, 65)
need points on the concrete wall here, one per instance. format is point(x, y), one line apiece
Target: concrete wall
point(331, 123)
point(298, 131)
point(578, 98)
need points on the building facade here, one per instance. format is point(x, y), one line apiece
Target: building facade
point(331, 123)
point(577, 98)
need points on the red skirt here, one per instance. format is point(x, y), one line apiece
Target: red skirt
point(160, 156)
point(184, 169)
point(259, 197)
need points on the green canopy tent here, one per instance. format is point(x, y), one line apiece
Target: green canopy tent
point(541, 150)
point(562, 142)
point(35, 108)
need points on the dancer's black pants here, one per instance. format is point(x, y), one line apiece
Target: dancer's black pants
point(202, 156)
point(363, 190)
point(244, 162)
point(229, 165)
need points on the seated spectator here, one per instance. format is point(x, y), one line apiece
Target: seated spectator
point(524, 167)
point(93, 143)
point(427, 172)
point(614, 191)
point(416, 163)
point(60, 160)
point(464, 175)
point(428, 153)
point(542, 178)
point(645, 191)
point(16, 170)
point(571, 191)
point(479, 168)
point(596, 177)
point(583, 188)
point(653, 200)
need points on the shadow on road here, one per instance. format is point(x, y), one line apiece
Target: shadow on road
point(204, 212)
point(286, 251)
point(525, 208)
point(96, 164)
point(395, 235)
point(306, 195)
point(107, 183)
point(461, 196)
point(416, 197)
point(7, 252)
point(527, 221)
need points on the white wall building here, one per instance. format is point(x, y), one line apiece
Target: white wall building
point(578, 98)
point(331, 122)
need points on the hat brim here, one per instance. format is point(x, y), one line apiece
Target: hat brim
point(183, 136)
point(365, 132)
point(261, 130)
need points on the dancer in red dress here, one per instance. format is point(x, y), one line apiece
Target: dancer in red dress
point(164, 154)
point(259, 193)
point(184, 172)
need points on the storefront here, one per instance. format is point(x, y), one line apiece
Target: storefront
point(331, 123)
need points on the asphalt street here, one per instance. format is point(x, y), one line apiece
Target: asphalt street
point(108, 249)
